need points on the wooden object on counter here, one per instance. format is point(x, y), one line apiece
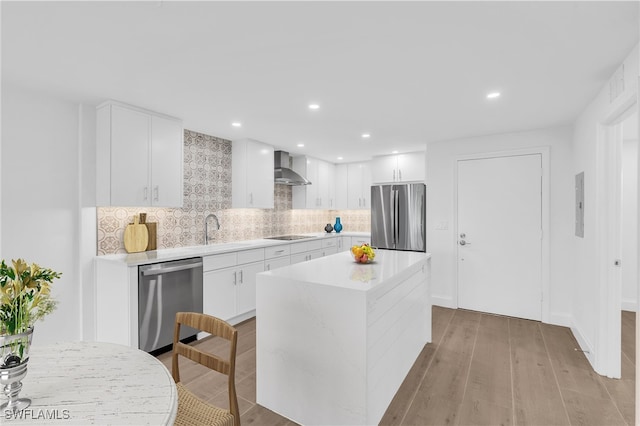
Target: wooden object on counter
point(136, 237)
point(152, 227)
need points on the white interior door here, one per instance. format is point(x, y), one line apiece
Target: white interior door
point(500, 235)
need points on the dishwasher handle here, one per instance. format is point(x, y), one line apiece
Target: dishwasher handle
point(158, 271)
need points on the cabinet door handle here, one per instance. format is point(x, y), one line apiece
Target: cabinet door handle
point(156, 191)
point(251, 198)
point(279, 251)
point(235, 278)
point(394, 175)
point(240, 276)
point(399, 175)
point(268, 267)
point(145, 193)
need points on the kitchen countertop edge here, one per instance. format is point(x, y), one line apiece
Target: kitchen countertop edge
point(164, 255)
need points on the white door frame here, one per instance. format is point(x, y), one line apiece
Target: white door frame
point(544, 152)
point(607, 345)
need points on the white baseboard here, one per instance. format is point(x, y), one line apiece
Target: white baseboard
point(561, 319)
point(629, 305)
point(242, 317)
point(585, 345)
point(445, 302)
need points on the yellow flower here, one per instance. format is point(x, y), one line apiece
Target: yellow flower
point(19, 266)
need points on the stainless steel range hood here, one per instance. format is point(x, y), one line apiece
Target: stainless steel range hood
point(283, 173)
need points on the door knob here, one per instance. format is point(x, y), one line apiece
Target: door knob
point(463, 243)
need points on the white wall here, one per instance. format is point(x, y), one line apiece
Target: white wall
point(441, 157)
point(88, 218)
point(630, 224)
point(40, 198)
point(590, 319)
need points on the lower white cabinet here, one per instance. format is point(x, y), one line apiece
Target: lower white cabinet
point(301, 252)
point(229, 284)
point(277, 257)
point(358, 241)
point(343, 244)
point(275, 263)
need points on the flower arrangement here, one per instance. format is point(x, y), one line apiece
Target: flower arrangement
point(25, 295)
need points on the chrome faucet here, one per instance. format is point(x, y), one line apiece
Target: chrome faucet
point(206, 227)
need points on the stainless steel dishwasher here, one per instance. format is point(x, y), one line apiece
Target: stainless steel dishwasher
point(163, 290)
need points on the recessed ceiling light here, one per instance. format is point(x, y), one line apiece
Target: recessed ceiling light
point(493, 95)
point(300, 145)
point(314, 106)
point(236, 124)
point(366, 135)
point(340, 158)
point(394, 152)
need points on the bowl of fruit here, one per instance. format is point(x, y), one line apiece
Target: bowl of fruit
point(363, 253)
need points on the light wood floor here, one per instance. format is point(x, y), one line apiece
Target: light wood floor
point(480, 370)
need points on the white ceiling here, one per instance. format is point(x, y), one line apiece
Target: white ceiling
point(407, 73)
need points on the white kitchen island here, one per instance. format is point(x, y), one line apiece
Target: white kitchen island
point(335, 339)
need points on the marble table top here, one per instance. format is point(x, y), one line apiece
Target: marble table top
point(93, 383)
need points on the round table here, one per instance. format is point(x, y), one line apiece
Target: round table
point(93, 383)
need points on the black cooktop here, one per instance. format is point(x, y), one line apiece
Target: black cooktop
point(289, 237)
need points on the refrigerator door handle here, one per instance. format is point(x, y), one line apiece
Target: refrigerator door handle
point(396, 213)
point(392, 210)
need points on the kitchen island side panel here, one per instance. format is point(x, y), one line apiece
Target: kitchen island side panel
point(311, 351)
point(336, 350)
point(399, 326)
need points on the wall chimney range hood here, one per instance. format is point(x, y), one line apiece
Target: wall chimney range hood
point(283, 173)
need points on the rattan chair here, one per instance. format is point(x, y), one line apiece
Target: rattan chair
point(192, 410)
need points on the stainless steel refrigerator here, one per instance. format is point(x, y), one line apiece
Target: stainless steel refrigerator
point(398, 216)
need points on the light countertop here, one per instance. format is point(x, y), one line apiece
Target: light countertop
point(340, 270)
point(163, 255)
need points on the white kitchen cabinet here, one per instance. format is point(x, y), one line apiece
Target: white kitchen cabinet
point(229, 284)
point(252, 176)
point(219, 293)
point(359, 185)
point(309, 250)
point(318, 195)
point(341, 187)
point(139, 159)
point(246, 287)
point(343, 244)
point(278, 262)
point(330, 171)
point(358, 241)
point(330, 246)
point(306, 250)
point(277, 257)
point(409, 167)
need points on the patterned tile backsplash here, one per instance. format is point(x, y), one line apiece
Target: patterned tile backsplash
point(207, 189)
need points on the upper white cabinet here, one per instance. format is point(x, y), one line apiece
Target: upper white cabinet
point(139, 157)
point(407, 167)
point(320, 194)
point(359, 185)
point(341, 187)
point(252, 174)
